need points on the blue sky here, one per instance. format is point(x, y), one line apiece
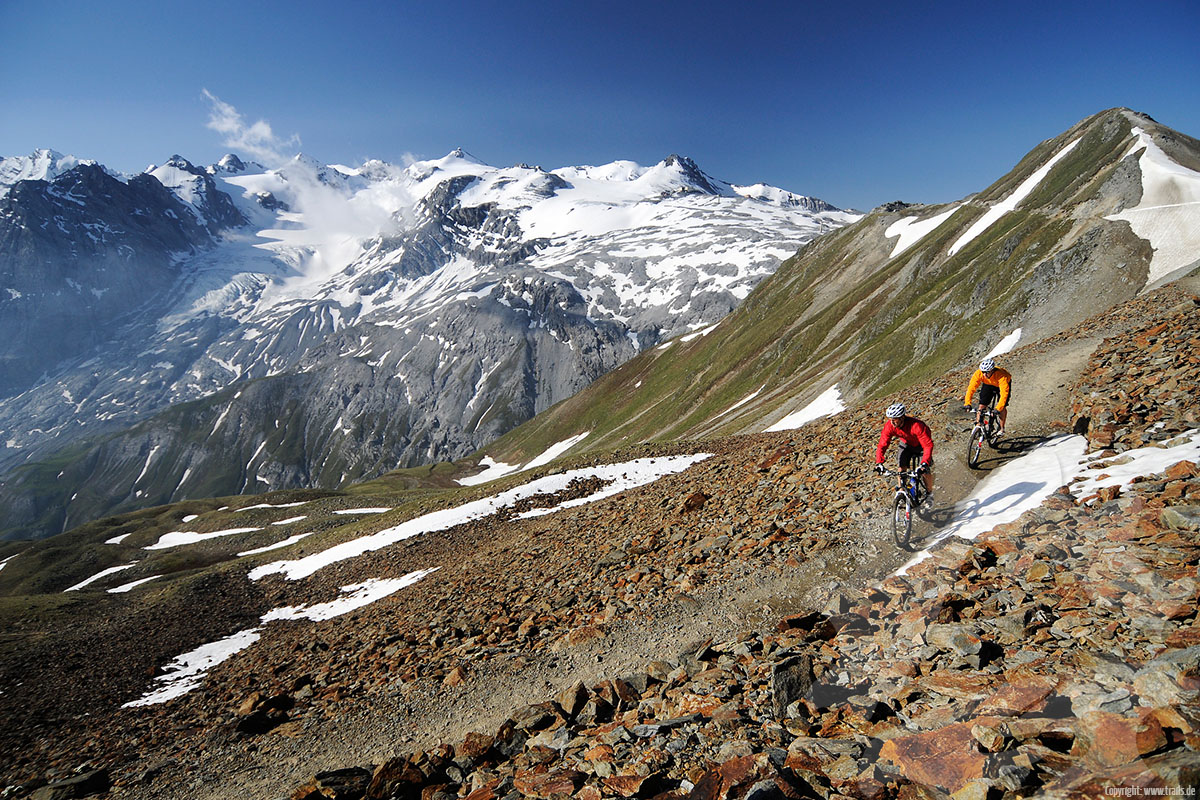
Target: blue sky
point(858, 104)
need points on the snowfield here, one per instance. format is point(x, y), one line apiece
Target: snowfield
point(1168, 215)
point(619, 478)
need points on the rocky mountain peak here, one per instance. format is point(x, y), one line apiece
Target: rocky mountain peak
point(231, 164)
point(692, 174)
point(42, 164)
point(179, 162)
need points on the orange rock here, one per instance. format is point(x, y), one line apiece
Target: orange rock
point(456, 677)
point(560, 783)
point(1018, 697)
point(625, 785)
point(688, 703)
point(474, 745)
point(250, 704)
point(961, 685)
point(600, 752)
point(585, 634)
point(485, 792)
point(948, 757)
point(1182, 469)
point(1111, 740)
point(1185, 637)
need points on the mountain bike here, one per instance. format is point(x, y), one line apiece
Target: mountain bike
point(987, 429)
point(910, 493)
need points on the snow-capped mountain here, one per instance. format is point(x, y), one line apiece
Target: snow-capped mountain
point(40, 165)
point(397, 314)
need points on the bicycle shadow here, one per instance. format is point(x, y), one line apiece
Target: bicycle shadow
point(939, 519)
point(933, 519)
point(1007, 449)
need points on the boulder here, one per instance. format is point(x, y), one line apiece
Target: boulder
point(791, 680)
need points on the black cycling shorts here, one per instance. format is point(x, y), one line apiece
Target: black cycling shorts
point(911, 456)
point(988, 394)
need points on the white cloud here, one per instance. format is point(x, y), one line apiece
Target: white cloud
point(256, 140)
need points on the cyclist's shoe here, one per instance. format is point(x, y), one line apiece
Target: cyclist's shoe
point(927, 501)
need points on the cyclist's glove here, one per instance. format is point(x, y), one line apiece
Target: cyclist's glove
point(880, 468)
point(921, 470)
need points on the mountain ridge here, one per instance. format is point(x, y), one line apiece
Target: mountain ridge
point(883, 296)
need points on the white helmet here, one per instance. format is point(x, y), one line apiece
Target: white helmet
point(895, 411)
point(987, 365)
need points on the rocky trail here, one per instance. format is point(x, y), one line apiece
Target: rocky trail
point(733, 630)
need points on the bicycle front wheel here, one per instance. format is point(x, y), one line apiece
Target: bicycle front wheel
point(902, 520)
point(975, 446)
point(993, 434)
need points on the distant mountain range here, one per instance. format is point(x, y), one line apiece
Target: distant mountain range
point(195, 331)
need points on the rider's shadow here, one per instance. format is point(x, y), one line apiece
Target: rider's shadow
point(995, 504)
point(936, 516)
point(967, 511)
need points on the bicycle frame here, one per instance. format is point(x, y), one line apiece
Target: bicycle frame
point(909, 484)
point(988, 417)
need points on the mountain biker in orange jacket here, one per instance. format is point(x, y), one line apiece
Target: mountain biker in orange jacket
point(994, 385)
point(917, 443)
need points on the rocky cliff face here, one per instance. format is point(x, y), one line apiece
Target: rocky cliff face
point(79, 256)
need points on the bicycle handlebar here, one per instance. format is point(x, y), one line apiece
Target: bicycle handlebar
point(904, 473)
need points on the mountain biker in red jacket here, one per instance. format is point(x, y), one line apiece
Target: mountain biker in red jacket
point(917, 443)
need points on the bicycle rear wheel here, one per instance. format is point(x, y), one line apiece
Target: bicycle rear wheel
point(902, 520)
point(975, 446)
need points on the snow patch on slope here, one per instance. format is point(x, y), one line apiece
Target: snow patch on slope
point(1009, 203)
point(826, 404)
point(186, 672)
point(1023, 483)
point(911, 230)
point(1168, 215)
point(619, 477)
